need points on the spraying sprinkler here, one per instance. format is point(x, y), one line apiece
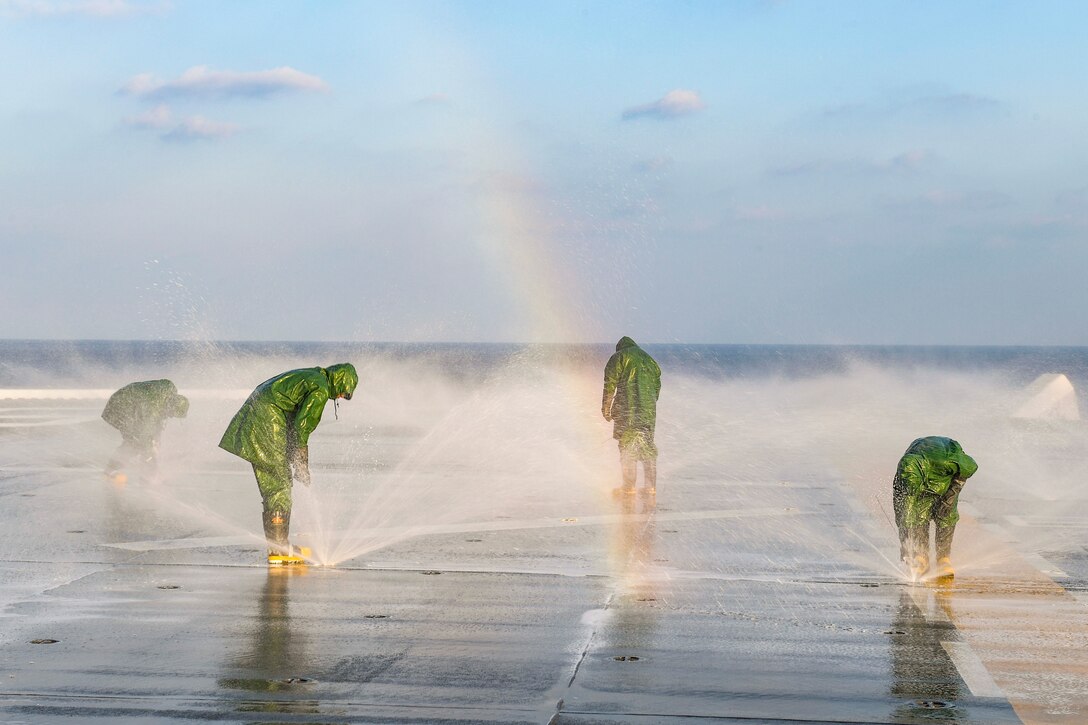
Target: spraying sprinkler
point(295, 556)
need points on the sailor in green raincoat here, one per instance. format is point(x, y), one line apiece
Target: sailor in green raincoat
point(926, 488)
point(272, 431)
point(632, 384)
point(139, 411)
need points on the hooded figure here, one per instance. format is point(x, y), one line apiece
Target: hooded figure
point(632, 384)
point(272, 431)
point(139, 411)
point(926, 488)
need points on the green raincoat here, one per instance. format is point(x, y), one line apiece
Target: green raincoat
point(925, 487)
point(139, 411)
point(632, 384)
point(288, 404)
point(278, 418)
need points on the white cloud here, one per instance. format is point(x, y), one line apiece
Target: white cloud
point(203, 81)
point(92, 8)
point(195, 128)
point(156, 118)
point(672, 105)
point(198, 128)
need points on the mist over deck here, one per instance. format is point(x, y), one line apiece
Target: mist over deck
point(483, 572)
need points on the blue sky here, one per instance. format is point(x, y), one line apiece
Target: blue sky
point(735, 172)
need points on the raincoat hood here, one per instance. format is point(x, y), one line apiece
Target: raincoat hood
point(342, 380)
point(179, 406)
point(625, 342)
point(925, 474)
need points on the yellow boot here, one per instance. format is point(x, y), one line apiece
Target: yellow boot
point(276, 526)
point(944, 568)
point(294, 555)
point(919, 566)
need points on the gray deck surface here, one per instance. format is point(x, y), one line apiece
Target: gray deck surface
point(756, 601)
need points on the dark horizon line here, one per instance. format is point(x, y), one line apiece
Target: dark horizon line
point(539, 344)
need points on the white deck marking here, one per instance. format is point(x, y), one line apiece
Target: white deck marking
point(972, 670)
point(927, 604)
point(46, 423)
point(1044, 566)
point(783, 485)
point(193, 543)
point(1049, 522)
point(176, 482)
point(54, 393)
point(104, 393)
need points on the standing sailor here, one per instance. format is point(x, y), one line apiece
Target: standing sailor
point(272, 431)
point(632, 384)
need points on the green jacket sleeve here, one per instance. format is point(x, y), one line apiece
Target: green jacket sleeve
point(611, 380)
point(967, 465)
point(309, 415)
